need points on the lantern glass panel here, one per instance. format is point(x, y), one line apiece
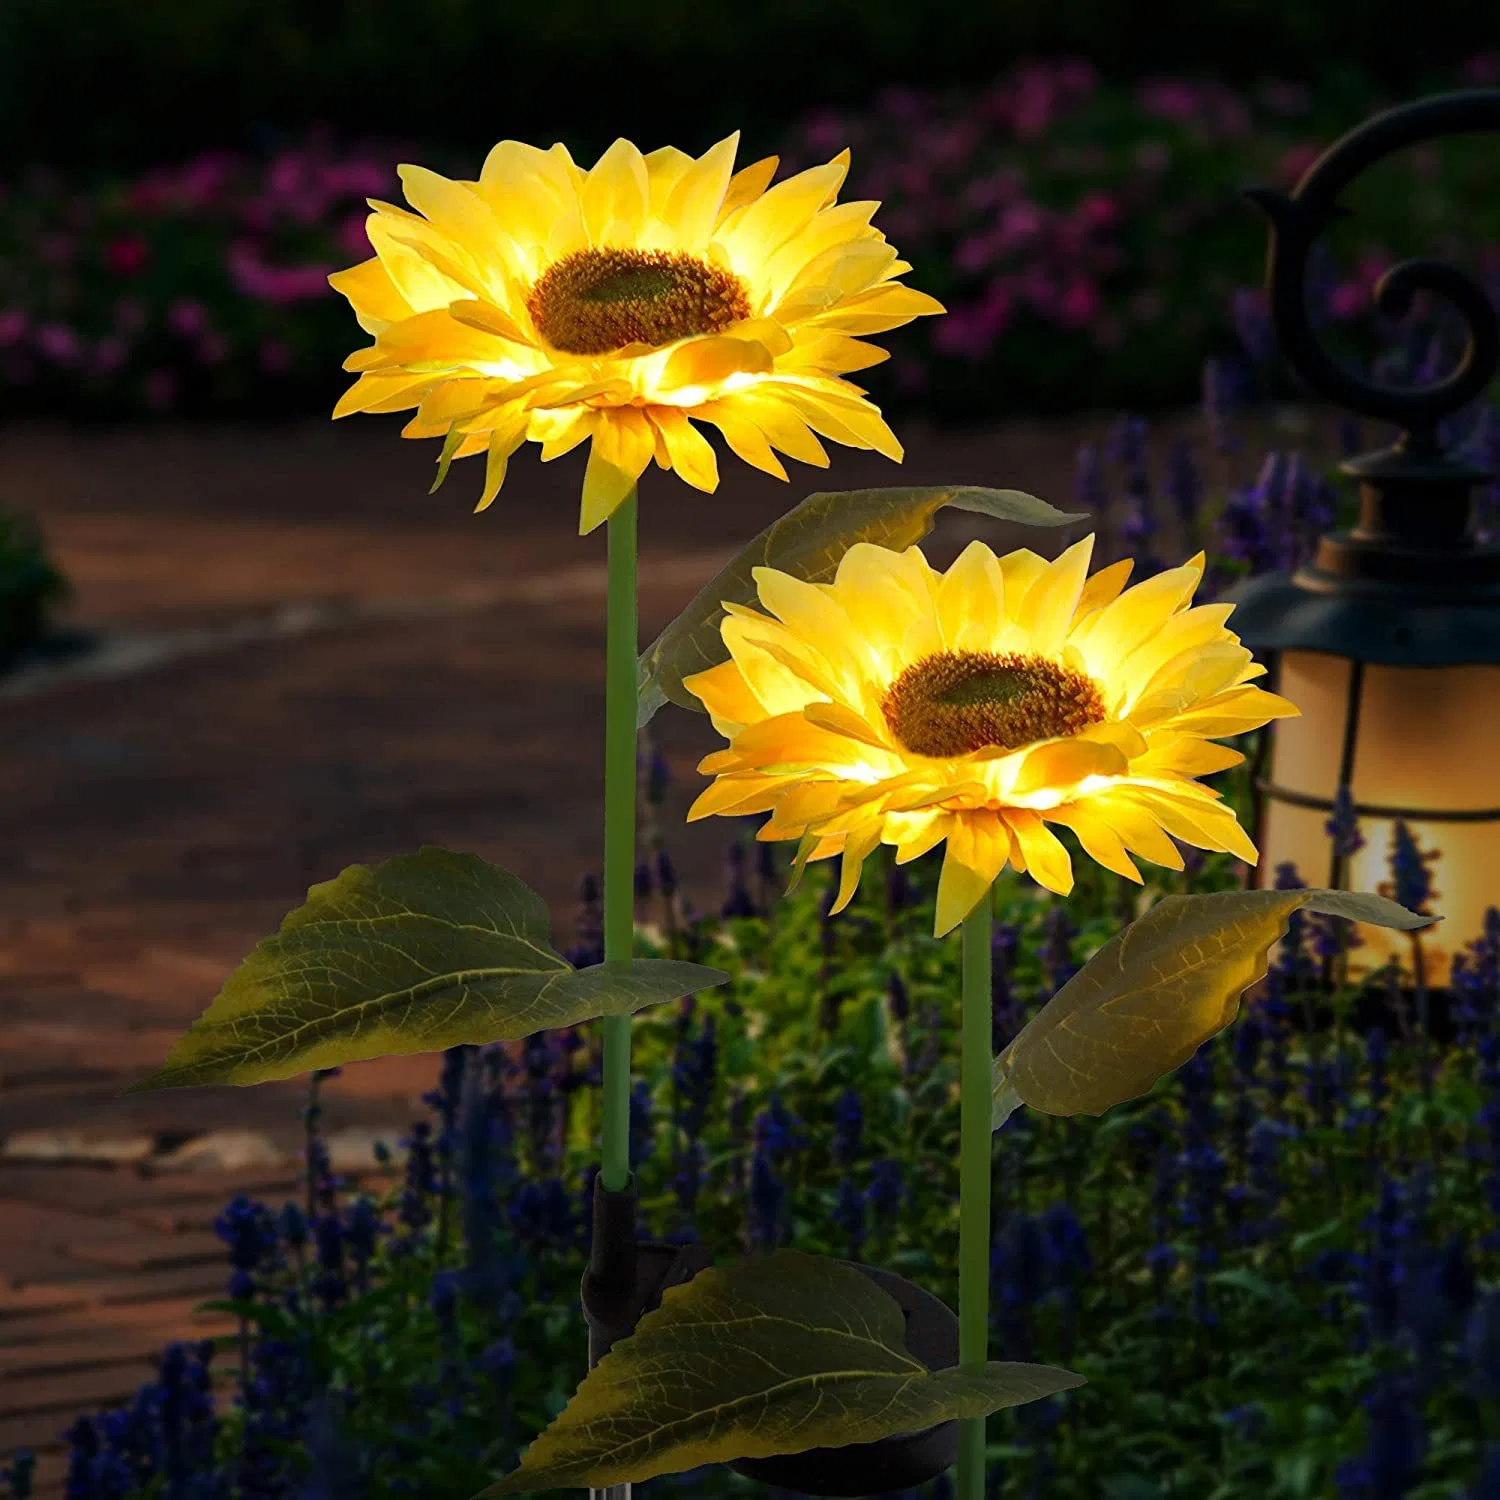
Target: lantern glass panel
point(1428, 740)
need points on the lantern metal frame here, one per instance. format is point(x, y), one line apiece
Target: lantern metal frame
point(1407, 585)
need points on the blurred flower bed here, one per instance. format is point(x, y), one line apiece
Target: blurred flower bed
point(1279, 1271)
point(1088, 239)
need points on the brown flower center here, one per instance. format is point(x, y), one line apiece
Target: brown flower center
point(955, 702)
point(597, 301)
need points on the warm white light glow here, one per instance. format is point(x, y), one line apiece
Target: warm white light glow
point(1428, 738)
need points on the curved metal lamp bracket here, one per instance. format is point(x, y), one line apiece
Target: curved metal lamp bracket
point(1297, 221)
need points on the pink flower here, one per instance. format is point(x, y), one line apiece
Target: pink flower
point(126, 255)
point(287, 175)
point(187, 318)
point(1019, 224)
point(13, 326)
point(277, 285)
point(58, 342)
point(1097, 210)
point(1079, 304)
point(915, 178)
point(824, 132)
point(1295, 160)
point(352, 238)
point(361, 179)
point(1348, 299)
point(1168, 98)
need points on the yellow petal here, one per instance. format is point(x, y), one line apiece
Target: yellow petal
point(804, 802)
point(1119, 809)
point(1020, 570)
point(850, 420)
point(372, 294)
point(614, 196)
point(1097, 839)
point(970, 600)
point(693, 208)
point(371, 390)
point(493, 319)
point(804, 661)
point(879, 309)
point(747, 185)
point(1109, 636)
point(784, 429)
point(1046, 614)
point(755, 233)
point(729, 795)
point(819, 353)
point(508, 433)
point(916, 832)
point(1045, 854)
point(722, 690)
point(1184, 755)
point(843, 720)
point(664, 170)
point(1063, 763)
point(977, 849)
point(743, 438)
point(690, 452)
point(1104, 587)
point(619, 455)
point(858, 845)
point(1207, 825)
point(709, 361)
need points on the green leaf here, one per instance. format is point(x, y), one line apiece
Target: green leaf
point(776, 1354)
point(1154, 993)
point(421, 953)
point(1244, 1279)
point(808, 542)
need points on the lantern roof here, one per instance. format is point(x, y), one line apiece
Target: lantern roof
point(1382, 622)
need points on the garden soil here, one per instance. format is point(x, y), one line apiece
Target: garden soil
point(305, 661)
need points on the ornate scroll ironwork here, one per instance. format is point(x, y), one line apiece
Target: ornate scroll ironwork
point(1299, 218)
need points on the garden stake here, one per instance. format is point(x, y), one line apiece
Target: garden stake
point(976, 1161)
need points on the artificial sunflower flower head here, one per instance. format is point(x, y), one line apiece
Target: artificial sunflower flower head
point(905, 706)
point(622, 304)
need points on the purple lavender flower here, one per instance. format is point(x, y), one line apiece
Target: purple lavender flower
point(1411, 880)
point(849, 1123)
point(1252, 324)
point(1220, 392)
point(1184, 482)
point(1089, 490)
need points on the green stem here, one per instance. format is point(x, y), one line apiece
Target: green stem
point(621, 647)
point(975, 1160)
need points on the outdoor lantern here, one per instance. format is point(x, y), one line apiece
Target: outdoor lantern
point(1389, 640)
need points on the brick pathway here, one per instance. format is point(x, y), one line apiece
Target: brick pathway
point(433, 677)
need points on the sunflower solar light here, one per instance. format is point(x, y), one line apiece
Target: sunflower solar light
point(868, 700)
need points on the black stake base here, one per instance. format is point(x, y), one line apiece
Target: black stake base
point(626, 1277)
point(902, 1460)
point(625, 1280)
